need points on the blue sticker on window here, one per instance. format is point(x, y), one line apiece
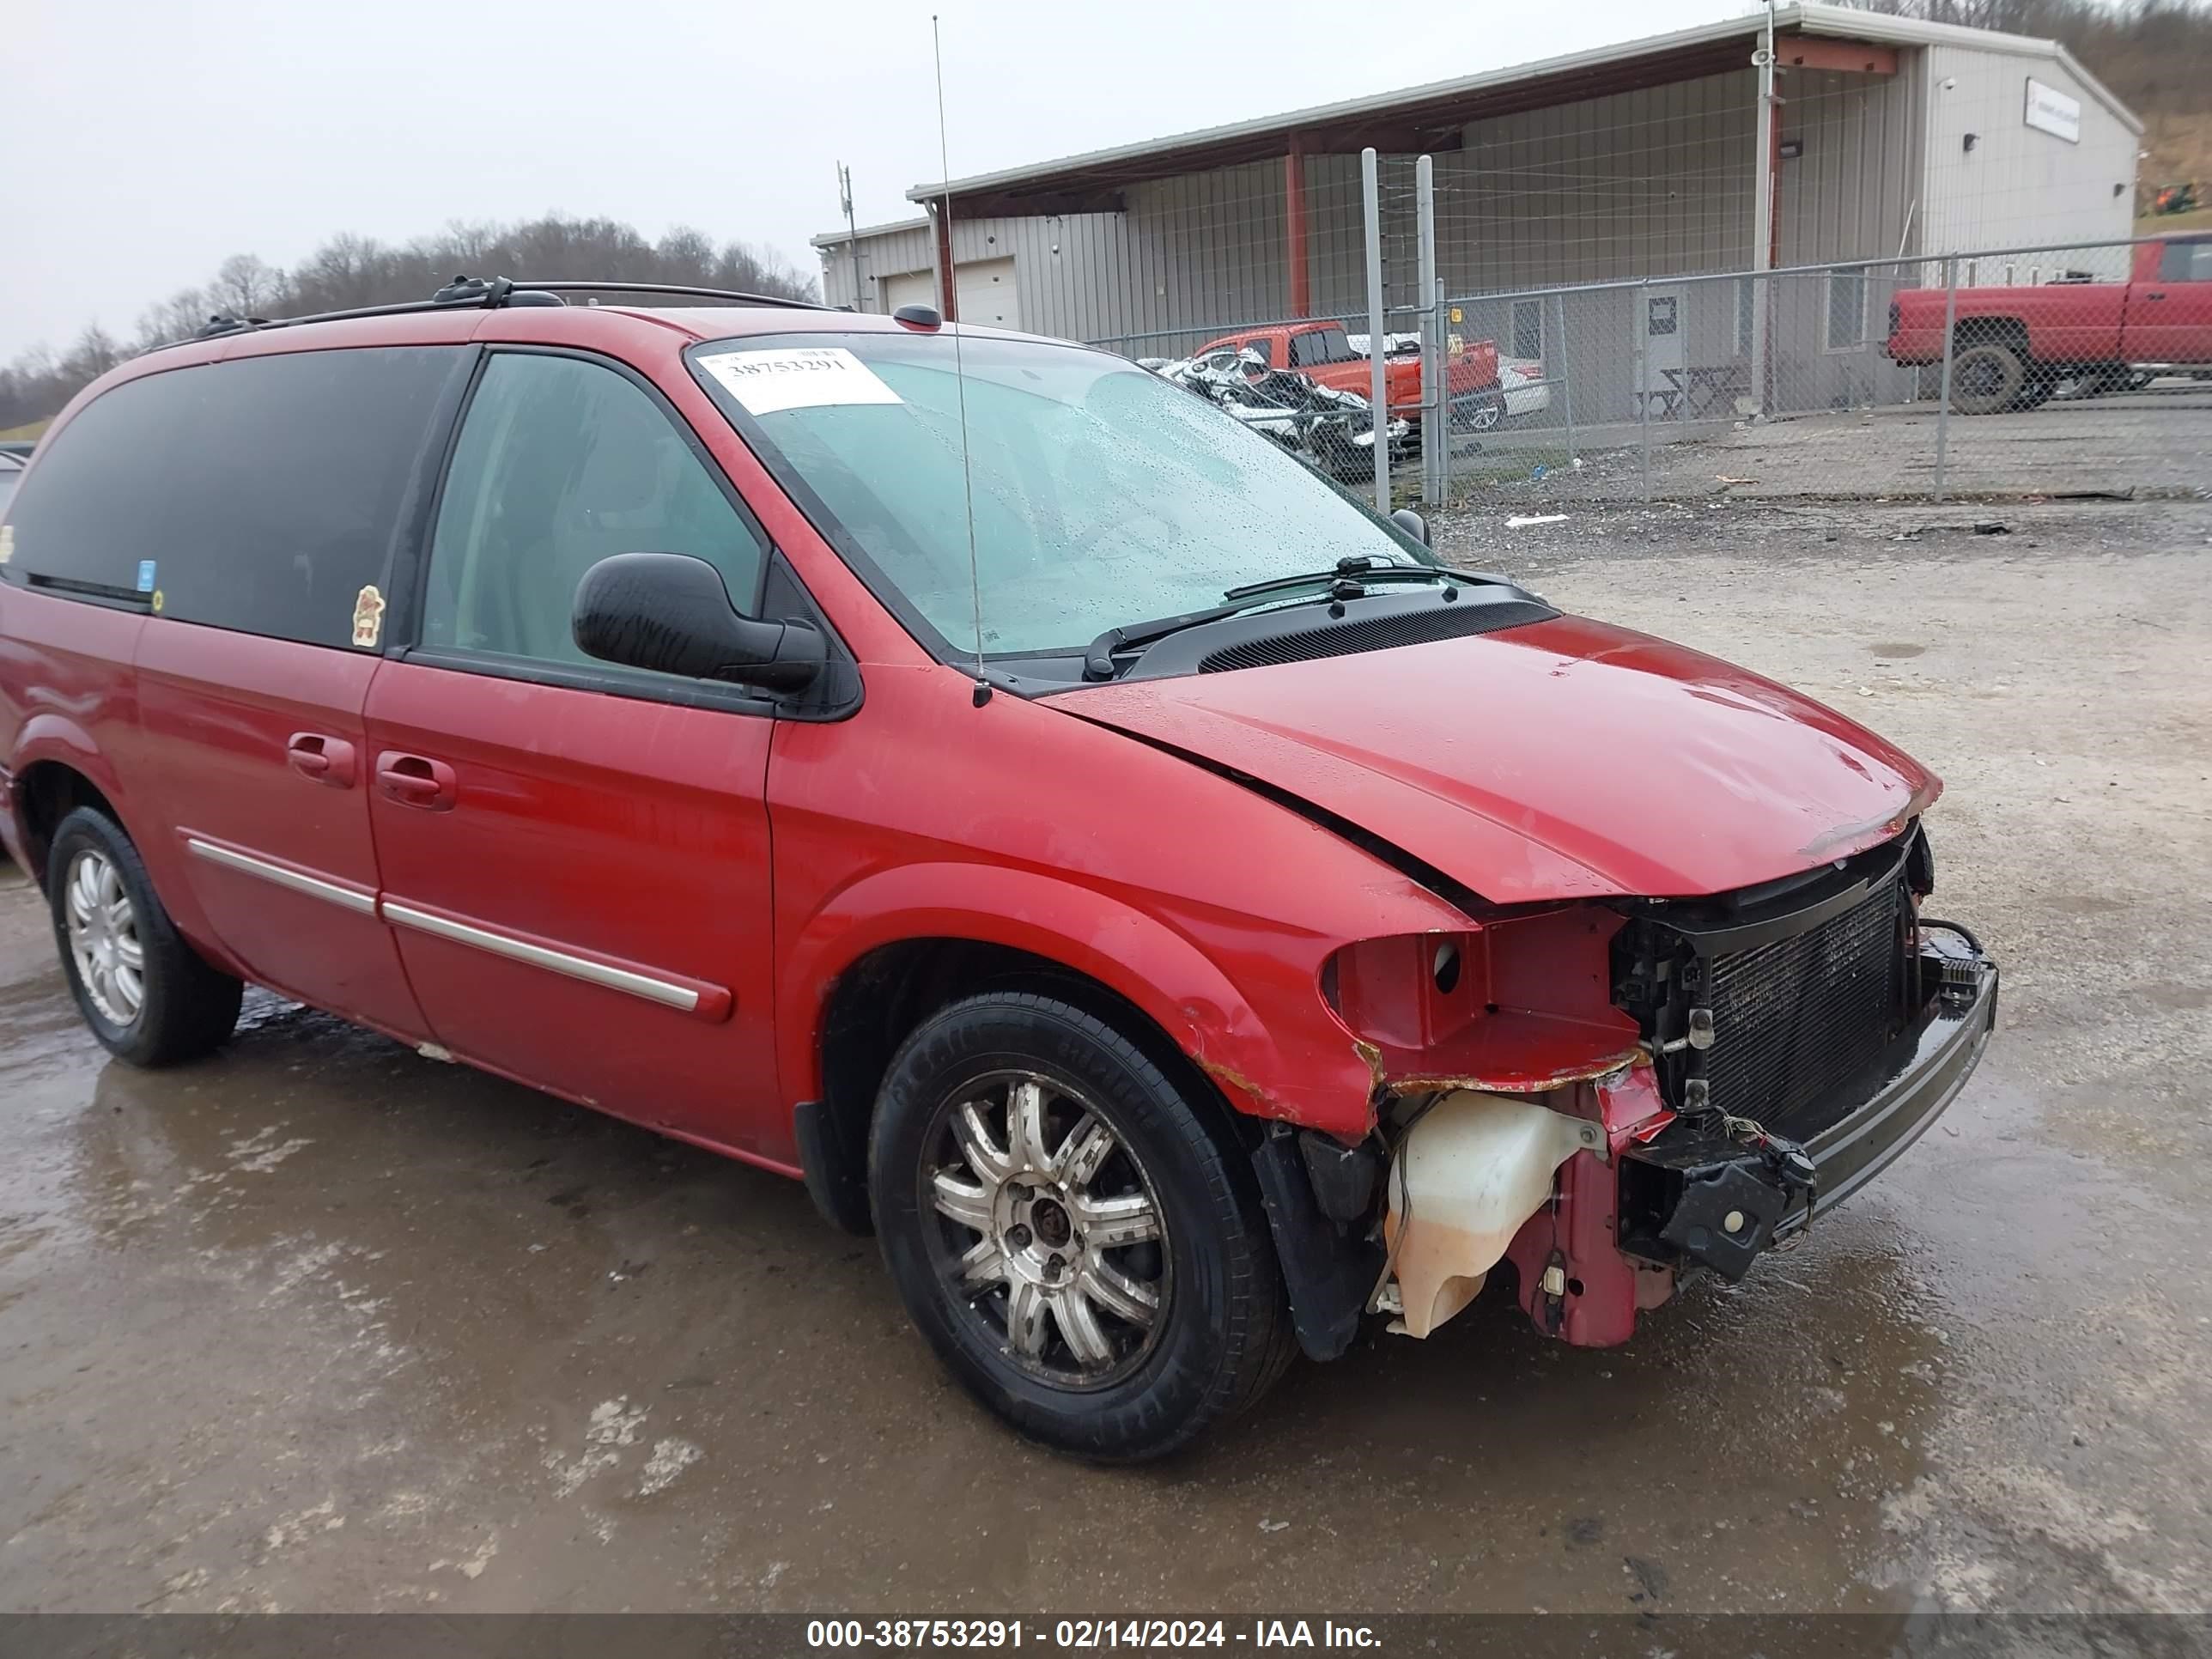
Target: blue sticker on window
point(145, 575)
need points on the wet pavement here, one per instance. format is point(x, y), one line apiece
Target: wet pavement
point(320, 1324)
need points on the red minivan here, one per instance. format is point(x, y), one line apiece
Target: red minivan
point(1178, 914)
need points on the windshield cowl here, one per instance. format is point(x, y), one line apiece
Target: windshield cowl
point(1324, 626)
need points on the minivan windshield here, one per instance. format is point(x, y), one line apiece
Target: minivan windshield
point(1102, 496)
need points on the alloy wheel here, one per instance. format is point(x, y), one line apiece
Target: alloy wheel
point(1048, 1230)
point(103, 937)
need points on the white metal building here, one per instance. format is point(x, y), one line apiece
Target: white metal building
point(997, 261)
point(1893, 137)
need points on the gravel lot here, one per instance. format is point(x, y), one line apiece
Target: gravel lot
point(320, 1324)
point(2151, 444)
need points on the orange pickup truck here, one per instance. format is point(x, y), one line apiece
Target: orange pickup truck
point(1322, 352)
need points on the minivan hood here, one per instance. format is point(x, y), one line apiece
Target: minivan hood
point(1563, 759)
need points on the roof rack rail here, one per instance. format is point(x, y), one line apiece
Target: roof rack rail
point(221, 322)
point(491, 294)
point(738, 295)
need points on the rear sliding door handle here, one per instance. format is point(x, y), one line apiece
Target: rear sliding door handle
point(326, 760)
point(416, 781)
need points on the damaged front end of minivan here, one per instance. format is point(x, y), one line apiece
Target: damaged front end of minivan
point(1613, 1094)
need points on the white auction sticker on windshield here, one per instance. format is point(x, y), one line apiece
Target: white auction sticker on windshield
point(796, 377)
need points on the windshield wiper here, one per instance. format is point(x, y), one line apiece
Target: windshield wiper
point(1347, 580)
point(1098, 655)
point(1363, 569)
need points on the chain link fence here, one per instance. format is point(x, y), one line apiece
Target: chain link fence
point(2083, 369)
point(1871, 378)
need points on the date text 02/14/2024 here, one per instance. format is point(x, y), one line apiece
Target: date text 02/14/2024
point(989, 1635)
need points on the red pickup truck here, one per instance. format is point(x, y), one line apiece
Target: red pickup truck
point(2013, 347)
point(1323, 353)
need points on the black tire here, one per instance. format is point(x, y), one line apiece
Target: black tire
point(1221, 1331)
point(2036, 393)
point(186, 1006)
point(1986, 377)
point(1479, 412)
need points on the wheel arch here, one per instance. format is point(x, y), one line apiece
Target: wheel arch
point(57, 769)
point(1993, 330)
point(893, 949)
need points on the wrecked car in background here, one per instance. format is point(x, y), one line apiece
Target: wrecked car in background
point(1332, 429)
point(1322, 352)
point(1520, 388)
point(1195, 918)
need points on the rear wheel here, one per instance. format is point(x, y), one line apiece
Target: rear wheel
point(1080, 1251)
point(1479, 412)
point(149, 997)
point(1986, 377)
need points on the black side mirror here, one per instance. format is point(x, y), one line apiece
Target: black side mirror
point(1413, 524)
point(670, 612)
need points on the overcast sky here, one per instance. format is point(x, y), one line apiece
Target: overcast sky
point(148, 139)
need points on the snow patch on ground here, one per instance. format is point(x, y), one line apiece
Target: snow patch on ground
point(262, 1152)
point(670, 1459)
point(613, 1424)
point(294, 1529)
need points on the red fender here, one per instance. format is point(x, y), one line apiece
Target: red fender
point(1303, 1068)
point(48, 736)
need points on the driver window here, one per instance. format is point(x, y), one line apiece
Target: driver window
point(562, 463)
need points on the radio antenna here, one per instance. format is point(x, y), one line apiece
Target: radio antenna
point(959, 375)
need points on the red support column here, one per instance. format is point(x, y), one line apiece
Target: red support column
point(948, 294)
point(1294, 219)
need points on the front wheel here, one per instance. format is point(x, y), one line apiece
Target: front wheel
point(1082, 1253)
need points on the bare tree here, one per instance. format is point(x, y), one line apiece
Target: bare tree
point(245, 287)
point(357, 270)
point(94, 353)
point(177, 317)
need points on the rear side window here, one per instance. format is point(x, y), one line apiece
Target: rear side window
point(561, 464)
point(2186, 262)
point(1322, 345)
point(260, 495)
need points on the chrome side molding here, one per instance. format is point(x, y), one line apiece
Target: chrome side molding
point(666, 993)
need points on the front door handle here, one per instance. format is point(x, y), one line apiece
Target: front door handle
point(416, 781)
point(326, 760)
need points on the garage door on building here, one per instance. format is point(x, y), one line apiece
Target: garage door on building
point(987, 294)
point(985, 290)
point(912, 287)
